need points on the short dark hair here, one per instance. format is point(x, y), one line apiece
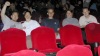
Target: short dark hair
point(86, 8)
point(15, 12)
point(50, 9)
point(70, 11)
point(26, 12)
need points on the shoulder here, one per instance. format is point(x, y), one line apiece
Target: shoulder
point(5, 18)
point(23, 22)
point(45, 19)
point(18, 22)
point(75, 18)
point(56, 20)
point(82, 17)
point(33, 21)
point(92, 16)
point(65, 19)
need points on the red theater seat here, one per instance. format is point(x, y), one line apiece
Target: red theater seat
point(71, 34)
point(43, 40)
point(25, 53)
point(75, 50)
point(93, 33)
point(99, 51)
point(12, 40)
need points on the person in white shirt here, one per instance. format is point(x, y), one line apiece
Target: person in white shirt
point(9, 23)
point(86, 18)
point(29, 24)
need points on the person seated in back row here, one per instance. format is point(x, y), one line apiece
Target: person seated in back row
point(69, 20)
point(29, 24)
point(9, 23)
point(86, 18)
point(50, 21)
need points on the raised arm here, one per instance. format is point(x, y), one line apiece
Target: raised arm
point(4, 8)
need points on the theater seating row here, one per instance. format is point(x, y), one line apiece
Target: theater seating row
point(44, 40)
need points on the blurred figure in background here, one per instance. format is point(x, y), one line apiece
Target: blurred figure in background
point(50, 21)
point(69, 20)
point(86, 18)
point(86, 3)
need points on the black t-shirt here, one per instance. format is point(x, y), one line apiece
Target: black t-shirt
point(52, 23)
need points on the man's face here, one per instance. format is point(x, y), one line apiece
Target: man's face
point(14, 16)
point(27, 15)
point(50, 13)
point(69, 14)
point(86, 12)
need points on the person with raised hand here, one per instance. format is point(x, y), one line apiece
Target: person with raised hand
point(9, 23)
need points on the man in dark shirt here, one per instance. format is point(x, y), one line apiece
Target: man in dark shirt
point(50, 21)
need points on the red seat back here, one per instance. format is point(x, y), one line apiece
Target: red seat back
point(75, 50)
point(92, 32)
point(43, 38)
point(25, 53)
point(99, 51)
point(12, 40)
point(70, 34)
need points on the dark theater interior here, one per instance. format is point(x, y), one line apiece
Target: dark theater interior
point(49, 27)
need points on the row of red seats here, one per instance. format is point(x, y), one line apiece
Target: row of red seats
point(73, 35)
point(70, 50)
point(14, 40)
point(43, 39)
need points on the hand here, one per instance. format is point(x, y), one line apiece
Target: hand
point(7, 3)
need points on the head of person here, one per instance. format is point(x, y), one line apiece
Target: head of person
point(50, 12)
point(79, 2)
point(14, 16)
point(86, 12)
point(27, 15)
point(69, 13)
